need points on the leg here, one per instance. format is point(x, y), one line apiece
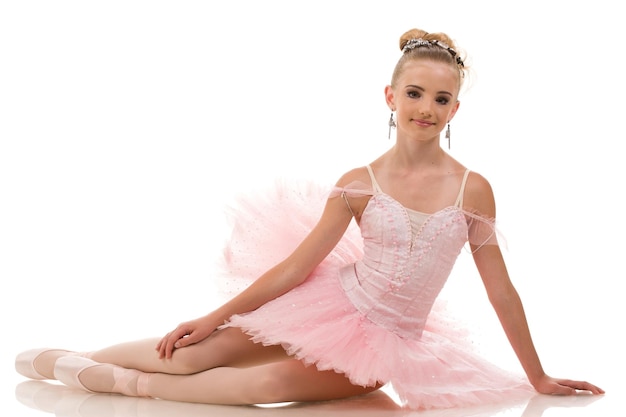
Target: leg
point(228, 347)
point(283, 381)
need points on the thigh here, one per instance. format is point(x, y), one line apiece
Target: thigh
point(292, 381)
point(229, 347)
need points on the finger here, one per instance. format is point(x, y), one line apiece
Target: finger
point(187, 340)
point(160, 347)
point(558, 388)
point(160, 342)
point(168, 348)
point(182, 342)
point(582, 386)
point(171, 342)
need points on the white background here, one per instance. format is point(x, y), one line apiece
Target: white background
point(126, 126)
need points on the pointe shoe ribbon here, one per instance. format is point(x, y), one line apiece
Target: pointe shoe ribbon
point(68, 369)
point(25, 362)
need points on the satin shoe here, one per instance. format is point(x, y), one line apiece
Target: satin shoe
point(128, 382)
point(25, 362)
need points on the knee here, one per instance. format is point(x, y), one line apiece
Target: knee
point(275, 385)
point(185, 362)
point(215, 351)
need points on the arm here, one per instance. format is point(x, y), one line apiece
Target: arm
point(296, 268)
point(278, 280)
point(508, 305)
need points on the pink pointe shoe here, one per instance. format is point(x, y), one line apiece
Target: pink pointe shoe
point(68, 369)
point(25, 362)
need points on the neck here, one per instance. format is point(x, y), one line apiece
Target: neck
point(417, 154)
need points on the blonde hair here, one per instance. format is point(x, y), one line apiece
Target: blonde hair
point(437, 47)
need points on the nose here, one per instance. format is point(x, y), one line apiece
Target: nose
point(425, 109)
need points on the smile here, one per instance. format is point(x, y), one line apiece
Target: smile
point(423, 123)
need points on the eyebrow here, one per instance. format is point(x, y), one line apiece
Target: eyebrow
point(422, 89)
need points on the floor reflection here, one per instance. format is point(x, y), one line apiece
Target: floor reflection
point(62, 401)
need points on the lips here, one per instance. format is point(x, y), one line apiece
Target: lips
point(422, 123)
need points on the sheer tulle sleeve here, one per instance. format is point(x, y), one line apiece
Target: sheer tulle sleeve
point(354, 189)
point(482, 231)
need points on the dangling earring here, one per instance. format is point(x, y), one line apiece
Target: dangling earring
point(391, 123)
point(448, 135)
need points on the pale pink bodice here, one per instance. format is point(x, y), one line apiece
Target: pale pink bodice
point(403, 268)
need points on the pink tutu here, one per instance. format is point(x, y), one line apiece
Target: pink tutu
point(317, 323)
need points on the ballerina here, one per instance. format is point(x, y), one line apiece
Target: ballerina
point(339, 317)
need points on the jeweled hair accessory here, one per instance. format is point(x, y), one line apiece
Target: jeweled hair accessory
point(416, 43)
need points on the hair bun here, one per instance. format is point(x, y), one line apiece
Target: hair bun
point(419, 33)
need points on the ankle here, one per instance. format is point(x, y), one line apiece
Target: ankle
point(143, 384)
point(108, 378)
point(88, 355)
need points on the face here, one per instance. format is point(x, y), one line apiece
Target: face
point(425, 99)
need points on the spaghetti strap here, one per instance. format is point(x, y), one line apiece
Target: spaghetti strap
point(375, 185)
point(459, 199)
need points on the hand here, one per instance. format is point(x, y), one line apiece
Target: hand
point(554, 386)
point(185, 334)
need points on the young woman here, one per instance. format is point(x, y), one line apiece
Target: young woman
point(335, 318)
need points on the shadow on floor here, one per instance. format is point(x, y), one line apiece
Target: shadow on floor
point(62, 401)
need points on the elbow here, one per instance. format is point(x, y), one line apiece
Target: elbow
point(292, 274)
point(504, 299)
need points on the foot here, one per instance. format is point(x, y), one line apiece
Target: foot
point(84, 373)
point(39, 363)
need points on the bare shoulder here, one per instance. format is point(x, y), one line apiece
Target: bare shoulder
point(479, 195)
point(355, 204)
point(356, 174)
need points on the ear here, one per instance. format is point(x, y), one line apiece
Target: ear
point(454, 110)
point(389, 97)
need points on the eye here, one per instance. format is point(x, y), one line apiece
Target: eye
point(413, 94)
point(443, 100)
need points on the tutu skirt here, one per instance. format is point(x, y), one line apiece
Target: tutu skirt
point(317, 324)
